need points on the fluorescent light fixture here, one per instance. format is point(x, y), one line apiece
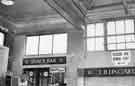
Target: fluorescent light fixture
point(8, 2)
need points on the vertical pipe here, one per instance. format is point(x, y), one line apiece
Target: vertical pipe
point(85, 38)
point(105, 36)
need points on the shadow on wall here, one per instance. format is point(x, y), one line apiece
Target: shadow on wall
point(2, 80)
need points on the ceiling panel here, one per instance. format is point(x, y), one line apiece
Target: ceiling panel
point(104, 2)
point(108, 2)
point(36, 12)
point(27, 8)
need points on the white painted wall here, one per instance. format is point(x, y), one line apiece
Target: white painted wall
point(4, 51)
point(104, 59)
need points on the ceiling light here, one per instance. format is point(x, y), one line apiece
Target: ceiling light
point(8, 2)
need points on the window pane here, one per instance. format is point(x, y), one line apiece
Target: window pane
point(1, 38)
point(91, 44)
point(99, 43)
point(130, 45)
point(99, 29)
point(45, 44)
point(130, 38)
point(111, 46)
point(120, 39)
point(60, 43)
point(91, 30)
point(111, 27)
point(119, 27)
point(121, 46)
point(111, 39)
point(32, 45)
point(129, 26)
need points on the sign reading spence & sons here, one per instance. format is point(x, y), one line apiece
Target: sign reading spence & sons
point(109, 71)
point(48, 60)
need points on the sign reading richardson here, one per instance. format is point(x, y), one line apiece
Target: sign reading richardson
point(109, 71)
point(48, 60)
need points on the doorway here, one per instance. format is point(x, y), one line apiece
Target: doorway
point(37, 76)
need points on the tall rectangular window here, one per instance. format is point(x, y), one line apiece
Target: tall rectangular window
point(32, 45)
point(46, 44)
point(1, 38)
point(120, 34)
point(60, 43)
point(95, 37)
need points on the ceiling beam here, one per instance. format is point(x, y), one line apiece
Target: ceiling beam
point(45, 29)
point(108, 12)
point(92, 3)
point(125, 6)
point(88, 3)
point(80, 6)
point(111, 5)
point(68, 11)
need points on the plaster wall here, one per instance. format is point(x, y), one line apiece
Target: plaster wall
point(103, 59)
point(4, 51)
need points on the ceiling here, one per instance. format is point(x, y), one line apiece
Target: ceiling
point(51, 15)
point(30, 15)
point(24, 9)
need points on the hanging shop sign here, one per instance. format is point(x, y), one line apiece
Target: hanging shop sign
point(121, 58)
point(48, 60)
point(57, 69)
point(101, 72)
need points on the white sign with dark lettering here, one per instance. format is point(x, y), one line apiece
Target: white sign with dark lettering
point(121, 58)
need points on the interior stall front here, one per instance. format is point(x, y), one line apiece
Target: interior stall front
point(48, 71)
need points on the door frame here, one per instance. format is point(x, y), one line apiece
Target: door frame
point(38, 71)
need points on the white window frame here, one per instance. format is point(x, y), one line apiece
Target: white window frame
point(119, 42)
point(94, 38)
point(52, 50)
point(2, 39)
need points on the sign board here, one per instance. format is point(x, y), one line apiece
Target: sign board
point(58, 69)
point(108, 71)
point(48, 60)
point(120, 58)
